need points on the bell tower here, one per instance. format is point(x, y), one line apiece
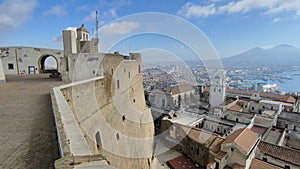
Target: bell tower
point(217, 90)
point(82, 39)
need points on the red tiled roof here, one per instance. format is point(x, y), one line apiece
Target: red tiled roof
point(180, 89)
point(236, 107)
point(211, 163)
point(283, 153)
point(238, 166)
point(258, 164)
point(216, 145)
point(198, 135)
point(258, 129)
point(243, 101)
point(283, 98)
point(181, 163)
point(244, 138)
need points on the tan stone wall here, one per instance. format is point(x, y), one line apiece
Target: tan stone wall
point(119, 114)
point(22, 57)
point(2, 76)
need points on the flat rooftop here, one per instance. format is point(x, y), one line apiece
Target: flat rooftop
point(186, 118)
point(28, 134)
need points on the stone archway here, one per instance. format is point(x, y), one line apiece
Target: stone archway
point(47, 64)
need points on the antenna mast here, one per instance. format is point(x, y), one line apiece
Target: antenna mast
point(97, 25)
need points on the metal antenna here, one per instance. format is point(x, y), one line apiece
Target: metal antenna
point(97, 25)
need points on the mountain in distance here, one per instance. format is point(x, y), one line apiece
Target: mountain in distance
point(282, 55)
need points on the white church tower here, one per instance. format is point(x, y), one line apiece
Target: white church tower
point(217, 90)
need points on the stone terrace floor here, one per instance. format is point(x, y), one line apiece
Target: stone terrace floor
point(27, 128)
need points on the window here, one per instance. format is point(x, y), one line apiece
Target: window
point(197, 151)
point(237, 119)
point(287, 167)
point(232, 149)
point(98, 139)
point(252, 108)
point(112, 71)
point(10, 66)
point(117, 136)
point(118, 84)
point(128, 74)
point(265, 159)
point(163, 103)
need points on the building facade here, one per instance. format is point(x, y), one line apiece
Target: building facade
point(29, 60)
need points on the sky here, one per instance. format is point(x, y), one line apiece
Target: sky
point(231, 26)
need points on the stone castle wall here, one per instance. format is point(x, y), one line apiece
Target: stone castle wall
point(2, 75)
point(23, 57)
point(111, 113)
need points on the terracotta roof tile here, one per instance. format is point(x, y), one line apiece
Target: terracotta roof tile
point(238, 166)
point(181, 163)
point(244, 138)
point(279, 152)
point(216, 145)
point(243, 101)
point(258, 129)
point(258, 164)
point(236, 107)
point(278, 97)
point(180, 89)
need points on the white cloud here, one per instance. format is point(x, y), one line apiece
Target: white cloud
point(56, 10)
point(83, 8)
point(114, 3)
point(57, 39)
point(113, 13)
point(286, 5)
point(240, 6)
point(192, 10)
point(107, 15)
point(123, 27)
point(91, 16)
point(15, 12)
point(275, 20)
point(247, 5)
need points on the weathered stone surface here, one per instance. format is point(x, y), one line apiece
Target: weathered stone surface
point(111, 112)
